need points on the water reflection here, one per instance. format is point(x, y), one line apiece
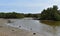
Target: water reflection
point(51, 23)
point(55, 26)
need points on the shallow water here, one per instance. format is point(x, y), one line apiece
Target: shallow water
point(36, 26)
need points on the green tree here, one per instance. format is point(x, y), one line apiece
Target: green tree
point(50, 13)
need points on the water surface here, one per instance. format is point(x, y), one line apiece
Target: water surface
point(45, 28)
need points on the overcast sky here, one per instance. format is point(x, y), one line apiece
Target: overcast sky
point(27, 6)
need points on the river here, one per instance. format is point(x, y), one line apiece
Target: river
point(36, 26)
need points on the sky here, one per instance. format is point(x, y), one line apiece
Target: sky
point(27, 6)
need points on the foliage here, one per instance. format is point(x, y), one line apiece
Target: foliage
point(32, 15)
point(11, 15)
point(17, 15)
point(51, 13)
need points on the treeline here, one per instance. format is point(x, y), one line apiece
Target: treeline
point(32, 15)
point(51, 13)
point(17, 15)
point(11, 15)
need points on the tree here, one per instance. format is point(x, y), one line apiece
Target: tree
point(50, 13)
point(29, 15)
point(11, 15)
point(55, 7)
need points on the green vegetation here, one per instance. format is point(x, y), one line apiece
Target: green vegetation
point(17, 15)
point(51, 13)
point(32, 15)
point(11, 15)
